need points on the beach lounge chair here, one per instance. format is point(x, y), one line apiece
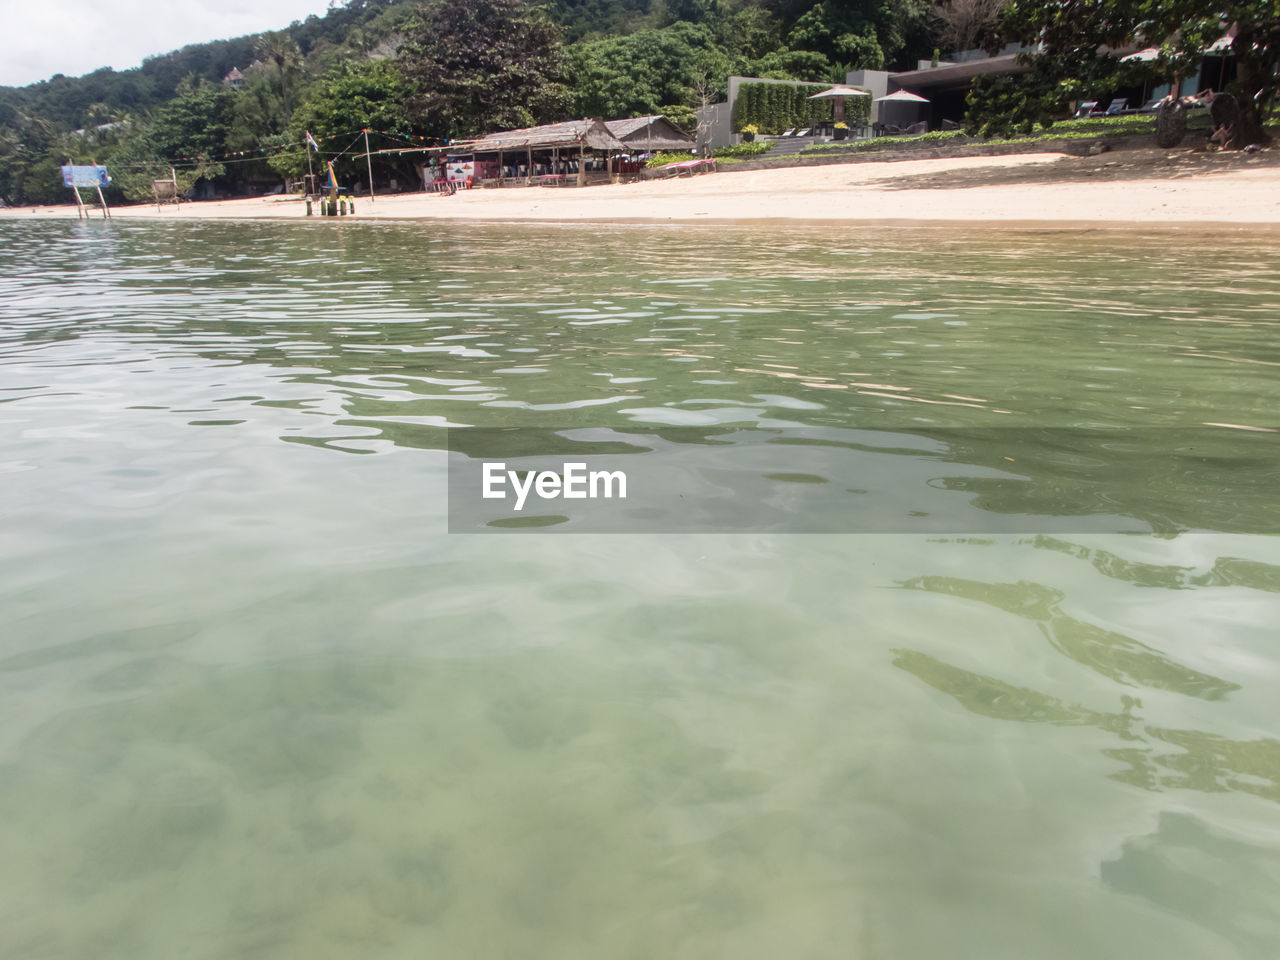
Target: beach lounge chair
point(788, 133)
point(803, 133)
point(1086, 108)
point(1118, 106)
point(681, 168)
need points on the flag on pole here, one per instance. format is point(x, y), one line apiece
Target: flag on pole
point(312, 140)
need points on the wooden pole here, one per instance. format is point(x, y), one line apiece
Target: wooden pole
point(106, 215)
point(528, 170)
point(177, 201)
point(582, 163)
point(368, 163)
point(75, 192)
point(501, 172)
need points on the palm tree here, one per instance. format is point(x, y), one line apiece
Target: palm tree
point(281, 49)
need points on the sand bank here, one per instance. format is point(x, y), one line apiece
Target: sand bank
point(1137, 187)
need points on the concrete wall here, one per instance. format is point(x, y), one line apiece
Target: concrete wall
point(715, 125)
point(877, 81)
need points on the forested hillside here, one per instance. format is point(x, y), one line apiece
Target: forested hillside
point(415, 72)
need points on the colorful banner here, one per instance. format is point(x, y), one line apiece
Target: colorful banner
point(73, 176)
point(461, 170)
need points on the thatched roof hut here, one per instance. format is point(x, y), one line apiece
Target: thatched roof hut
point(592, 134)
point(650, 134)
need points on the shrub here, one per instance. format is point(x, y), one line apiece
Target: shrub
point(742, 151)
point(662, 159)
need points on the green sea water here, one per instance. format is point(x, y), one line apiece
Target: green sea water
point(257, 702)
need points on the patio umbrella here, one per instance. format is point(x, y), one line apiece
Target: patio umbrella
point(839, 93)
point(902, 96)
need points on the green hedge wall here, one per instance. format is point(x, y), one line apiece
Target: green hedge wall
point(775, 107)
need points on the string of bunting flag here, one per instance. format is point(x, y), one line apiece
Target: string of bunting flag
point(259, 153)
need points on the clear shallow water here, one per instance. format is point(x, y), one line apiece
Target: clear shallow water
point(254, 702)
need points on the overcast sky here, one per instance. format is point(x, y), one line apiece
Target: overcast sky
point(44, 37)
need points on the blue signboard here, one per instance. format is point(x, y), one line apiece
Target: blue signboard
point(73, 176)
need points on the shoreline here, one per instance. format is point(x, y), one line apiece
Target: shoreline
point(1138, 188)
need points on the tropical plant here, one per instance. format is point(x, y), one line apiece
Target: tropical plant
point(280, 49)
point(483, 65)
point(1082, 52)
point(634, 75)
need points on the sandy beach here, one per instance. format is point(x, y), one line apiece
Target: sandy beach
point(1130, 187)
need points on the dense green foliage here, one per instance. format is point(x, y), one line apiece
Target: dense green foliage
point(423, 70)
point(1081, 47)
point(635, 75)
point(742, 151)
point(351, 97)
point(484, 64)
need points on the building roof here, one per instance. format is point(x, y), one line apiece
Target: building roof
point(570, 133)
point(656, 133)
point(957, 74)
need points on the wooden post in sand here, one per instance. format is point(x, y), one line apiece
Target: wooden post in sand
point(106, 214)
point(582, 163)
point(76, 193)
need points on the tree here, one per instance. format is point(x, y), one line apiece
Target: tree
point(1081, 45)
point(794, 65)
point(28, 167)
point(484, 65)
point(751, 32)
point(965, 24)
point(282, 50)
point(354, 97)
point(635, 75)
point(190, 132)
point(865, 33)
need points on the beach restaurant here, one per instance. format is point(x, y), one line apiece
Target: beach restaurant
point(571, 153)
